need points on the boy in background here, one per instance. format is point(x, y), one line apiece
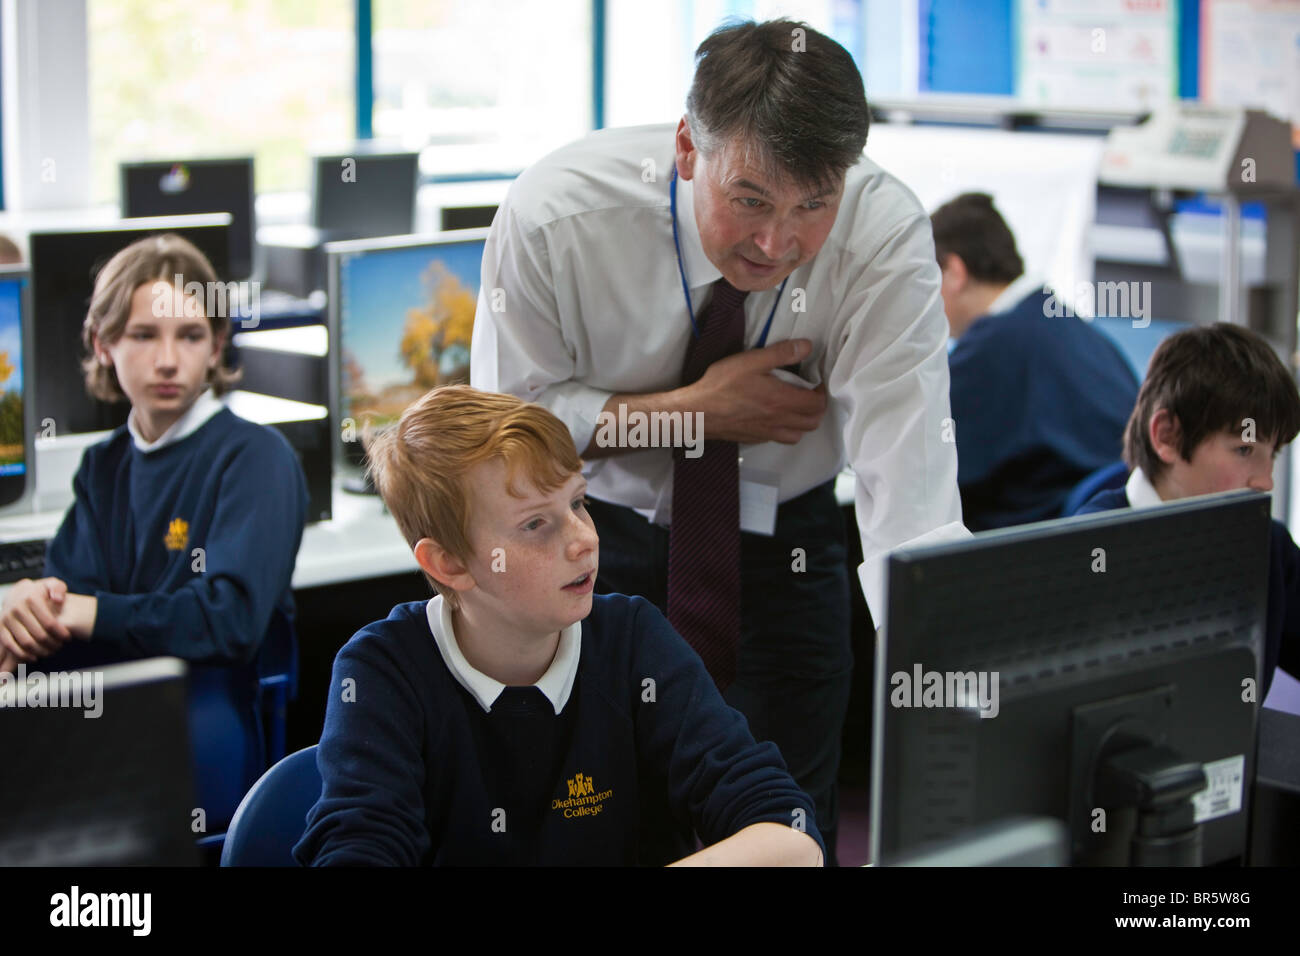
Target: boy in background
point(1039, 399)
point(515, 718)
point(187, 520)
point(1216, 408)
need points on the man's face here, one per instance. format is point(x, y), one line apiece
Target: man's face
point(546, 542)
point(1222, 462)
point(754, 229)
point(164, 355)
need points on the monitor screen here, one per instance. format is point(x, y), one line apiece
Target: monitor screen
point(401, 315)
point(64, 266)
point(186, 187)
point(13, 445)
point(362, 196)
point(1102, 670)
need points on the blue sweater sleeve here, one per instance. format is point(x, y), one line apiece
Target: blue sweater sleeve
point(371, 808)
point(248, 556)
point(75, 555)
point(718, 777)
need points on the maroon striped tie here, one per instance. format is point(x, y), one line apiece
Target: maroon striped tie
point(704, 538)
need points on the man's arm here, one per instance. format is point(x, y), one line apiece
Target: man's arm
point(519, 347)
point(890, 376)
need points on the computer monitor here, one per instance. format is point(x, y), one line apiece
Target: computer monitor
point(17, 429)
point(401, 312)
point(107, 754)
point(363, 194)
point(187, 186)
point(64, 264)
point(1097, 669)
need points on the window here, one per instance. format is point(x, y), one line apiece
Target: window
point(173, 78)
point(488, 86)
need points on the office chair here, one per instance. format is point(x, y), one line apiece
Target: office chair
point(1110, 476)
point(273, 814)
point(237, 717)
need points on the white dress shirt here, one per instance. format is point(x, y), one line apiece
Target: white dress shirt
point(580, 264)
point(556, 684)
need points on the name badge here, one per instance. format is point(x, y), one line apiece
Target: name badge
point(759, 492)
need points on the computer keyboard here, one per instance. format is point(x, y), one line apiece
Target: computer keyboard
point(21, 559)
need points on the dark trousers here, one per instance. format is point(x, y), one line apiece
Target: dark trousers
point(795, 666)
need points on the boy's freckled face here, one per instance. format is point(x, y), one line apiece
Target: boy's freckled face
point(547, 542)
point(1223, 462)
point(164, 355)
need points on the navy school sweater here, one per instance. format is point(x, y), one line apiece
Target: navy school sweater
point(644, 751)
point(189, 549)
point(1039, 403)
point(1282, 622)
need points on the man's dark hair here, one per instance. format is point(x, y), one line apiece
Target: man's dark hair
point(792, 94)
point(1212, 378)
point(971, 228)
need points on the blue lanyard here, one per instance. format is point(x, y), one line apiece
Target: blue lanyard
point(681, 270)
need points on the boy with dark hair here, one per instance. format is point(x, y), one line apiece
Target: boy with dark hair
point(1216, 407)
point(515, 718)
point(1038, 400)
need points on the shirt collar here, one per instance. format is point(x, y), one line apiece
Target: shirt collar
point(700, 270)
point(1141, 493)
point(204, 407)
point(556, 683)
point(1012, 295)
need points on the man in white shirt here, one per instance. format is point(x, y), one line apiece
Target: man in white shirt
point(598, 286)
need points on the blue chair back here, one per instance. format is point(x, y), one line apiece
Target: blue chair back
point(237, 723)
point(273, 814)
point(1111, 476)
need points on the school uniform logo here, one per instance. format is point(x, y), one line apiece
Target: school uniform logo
point(178, 534)
point(583, 799)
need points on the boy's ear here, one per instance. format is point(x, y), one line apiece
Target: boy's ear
point(101, 353)
point(954, 272)
point(1165, 434)
point(441, 565)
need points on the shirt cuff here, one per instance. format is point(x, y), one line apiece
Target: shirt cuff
point(578, 406)
point(872, 573)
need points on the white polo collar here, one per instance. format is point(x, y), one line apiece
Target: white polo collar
point(1015, 293)
point(556, 683)
point(204, 407)
point(1141, 493)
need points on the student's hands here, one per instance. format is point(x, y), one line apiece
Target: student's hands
point(759, 844)
point(78, 614)
point(30, 627)
point(744, 402)
point(7, 663)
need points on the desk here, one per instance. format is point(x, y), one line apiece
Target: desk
point(361, 541)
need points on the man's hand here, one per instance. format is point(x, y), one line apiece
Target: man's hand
point(744, 402)
point(740, 398)
point(29, 620)
point(78, 614)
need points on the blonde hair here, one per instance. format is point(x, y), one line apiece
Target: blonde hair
point(152, 259)
point(419, 465)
